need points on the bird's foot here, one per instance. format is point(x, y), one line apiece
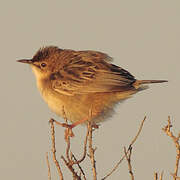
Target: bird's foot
point(95, 126)
point(68, 130)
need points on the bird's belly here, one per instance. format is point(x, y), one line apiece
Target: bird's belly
point(78, 107)
point(75, 108)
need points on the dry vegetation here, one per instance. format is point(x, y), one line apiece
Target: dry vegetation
point(74, 165)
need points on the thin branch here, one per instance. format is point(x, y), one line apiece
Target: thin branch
point(68, 130)
point(128, 158)
point(177, 178)
point(78, 164)
point(69, 163)
point(54, 149)
point(139, 131)
point(91, 152)
point(67, 138)
point(68, 149)
point(155, 176)
point(69, 154)
point(70, 167)
point(85, 149)
point(167, 130)
point(48, 165)
point(64, 115)
point(132, 142)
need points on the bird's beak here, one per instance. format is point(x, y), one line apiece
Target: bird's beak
point(27, 61)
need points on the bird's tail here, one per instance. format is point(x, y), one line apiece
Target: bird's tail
point(137, 83)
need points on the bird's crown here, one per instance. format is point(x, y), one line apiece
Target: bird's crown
point(45, 53)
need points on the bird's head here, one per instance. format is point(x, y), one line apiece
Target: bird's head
point(45, 61)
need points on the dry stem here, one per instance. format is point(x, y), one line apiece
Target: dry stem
point(130, 146)
point(167, 130)
point(85, 149)
point(69, 162)
point(91, 152)
point(128, 158)
point(70, 167)
point(177, 178)
point(48, 165)
point(81, 170)
point(156, 176)
point(71, 159)
point(70, 156)
point(54, 150)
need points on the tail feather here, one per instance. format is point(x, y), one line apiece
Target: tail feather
point(137, 83)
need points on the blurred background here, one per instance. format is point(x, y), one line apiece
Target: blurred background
point(142, 36)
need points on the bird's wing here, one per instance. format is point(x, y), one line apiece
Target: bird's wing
point(90, 71)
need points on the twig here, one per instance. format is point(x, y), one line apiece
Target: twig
point(68, 149)
point(81, 170)
point(91, 152)
point(177, 178)
point(54, 149)
point(68, 142)
point(68, 131)
point(85, 149)
point(128, 158)
point(64, 115)
point(70, 167)
point(132, 142)
point(167, 130)
point(155, 176)
point(139, 131)
point(69, 155)
point(68, 163)
point(48, 165)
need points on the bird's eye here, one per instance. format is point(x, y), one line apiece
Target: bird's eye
point(43, 64)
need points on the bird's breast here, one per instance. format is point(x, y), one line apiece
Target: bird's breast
point(54, 100)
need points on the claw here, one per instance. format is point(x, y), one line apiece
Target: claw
point(68, 131)
point(95, 126)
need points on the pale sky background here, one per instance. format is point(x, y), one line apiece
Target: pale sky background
point(142, 36)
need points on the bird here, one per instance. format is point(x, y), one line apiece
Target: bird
point(79, 82)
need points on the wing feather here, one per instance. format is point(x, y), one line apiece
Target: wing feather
point(89, 72)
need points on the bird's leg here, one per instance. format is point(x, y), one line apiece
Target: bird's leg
point(90, 116)
point(95, 126)
point(69, 127)
point(75, 123)
point(68, 131)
